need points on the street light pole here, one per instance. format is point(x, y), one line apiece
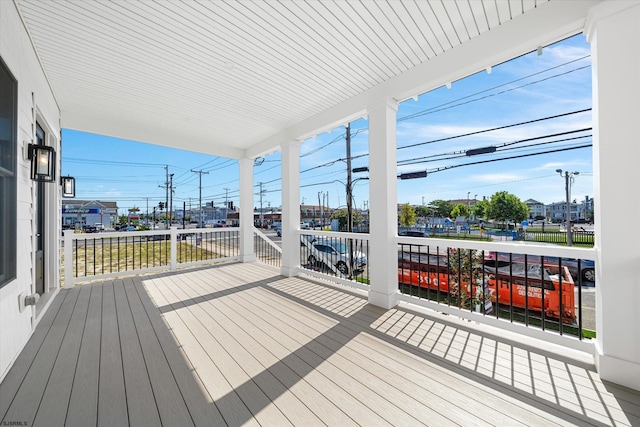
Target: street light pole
point(568, 177)
point(349, 183)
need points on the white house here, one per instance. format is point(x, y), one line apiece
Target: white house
point(232, 80)
point(536, 208)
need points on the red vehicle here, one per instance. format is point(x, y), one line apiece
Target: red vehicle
point(504, 283)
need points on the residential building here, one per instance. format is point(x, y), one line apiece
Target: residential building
point(536, 209)
point(242, 79)
point(586, 208)
point(557, 212)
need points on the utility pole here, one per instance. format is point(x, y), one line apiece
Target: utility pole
point(349, 199)
point(200, 173)
point(349, 183)
point(261, 212)
point(166, 192)
point(320, 208)
point(568, 178)
point(147, 216)
point(171, 198)
point(226, 203)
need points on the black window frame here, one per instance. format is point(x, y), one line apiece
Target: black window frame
point(8, 175)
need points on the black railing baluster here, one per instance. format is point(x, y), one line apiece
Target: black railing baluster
point(542, 309)
point(526, 290)
point(580, 299)
point(85, 258)
point(561, 302)
point(511, 284)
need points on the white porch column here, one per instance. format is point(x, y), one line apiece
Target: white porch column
point(383, 226)
point(613, 29)
point(290, 208)
point(246, 210)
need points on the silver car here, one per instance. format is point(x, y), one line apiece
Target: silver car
point(336, 253)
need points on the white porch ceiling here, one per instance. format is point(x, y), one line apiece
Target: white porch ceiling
point(235, 78)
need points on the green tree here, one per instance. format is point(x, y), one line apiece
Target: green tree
point(465, 267)
point(341, 215)
point(460, 210)
point(422, 211)
point(407, 215)
point(442, 208)
point(123, 219)
point(505, 206)
point(479, 208)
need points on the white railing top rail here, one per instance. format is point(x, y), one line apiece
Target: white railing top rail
point(335, 234)
point(539, 249)
point(113, 234)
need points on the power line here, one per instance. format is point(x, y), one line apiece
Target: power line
point(445, 106)
point(509, 158)
point(495, 128)
point(462, 153)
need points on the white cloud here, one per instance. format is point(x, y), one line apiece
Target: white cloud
point(565, 53)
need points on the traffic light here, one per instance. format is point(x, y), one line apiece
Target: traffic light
point(230, 205)
point(161, 205)
point(212, 203)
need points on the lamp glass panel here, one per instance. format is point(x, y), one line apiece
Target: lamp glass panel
point(43, 162)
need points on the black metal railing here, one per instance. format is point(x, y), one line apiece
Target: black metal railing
point(579, 237)
point(114, 253)
point(107, 255)
point(538, 291)
point(341, 256)
point(265, 250)
point(197, 246)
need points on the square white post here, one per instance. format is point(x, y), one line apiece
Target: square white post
point(613, 29)
point(68, 258)
point(383, 269)
point(173, 233)
point(290, 208)
point(246, 210)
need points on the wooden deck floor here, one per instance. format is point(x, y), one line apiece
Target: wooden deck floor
point(238, 344)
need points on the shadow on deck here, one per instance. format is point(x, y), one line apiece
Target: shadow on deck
point(239, 344)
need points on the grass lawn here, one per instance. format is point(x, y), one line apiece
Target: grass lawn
point(107, 258)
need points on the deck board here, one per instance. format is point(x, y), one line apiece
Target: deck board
point(58, 389)
point(170, 402)
point(203, 410)
point(13, 380)
point(237, 344)
point(112, 398)
point(32, 388)
point(140, 398)
point(83, 402)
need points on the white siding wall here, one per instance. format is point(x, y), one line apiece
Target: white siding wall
point(34, 97)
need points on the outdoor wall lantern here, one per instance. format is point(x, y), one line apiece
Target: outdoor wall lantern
point(68, 186)
point(43, 160)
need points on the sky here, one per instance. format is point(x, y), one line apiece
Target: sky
point(430, 136)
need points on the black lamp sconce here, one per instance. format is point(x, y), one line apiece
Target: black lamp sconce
point(43, 163)
point(68, 186)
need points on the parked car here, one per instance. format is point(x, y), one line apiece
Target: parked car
point(413, 233)
point(279, 232)
point(90, 229)
point(128, 228)
point(587, 267)
point(335, 253)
